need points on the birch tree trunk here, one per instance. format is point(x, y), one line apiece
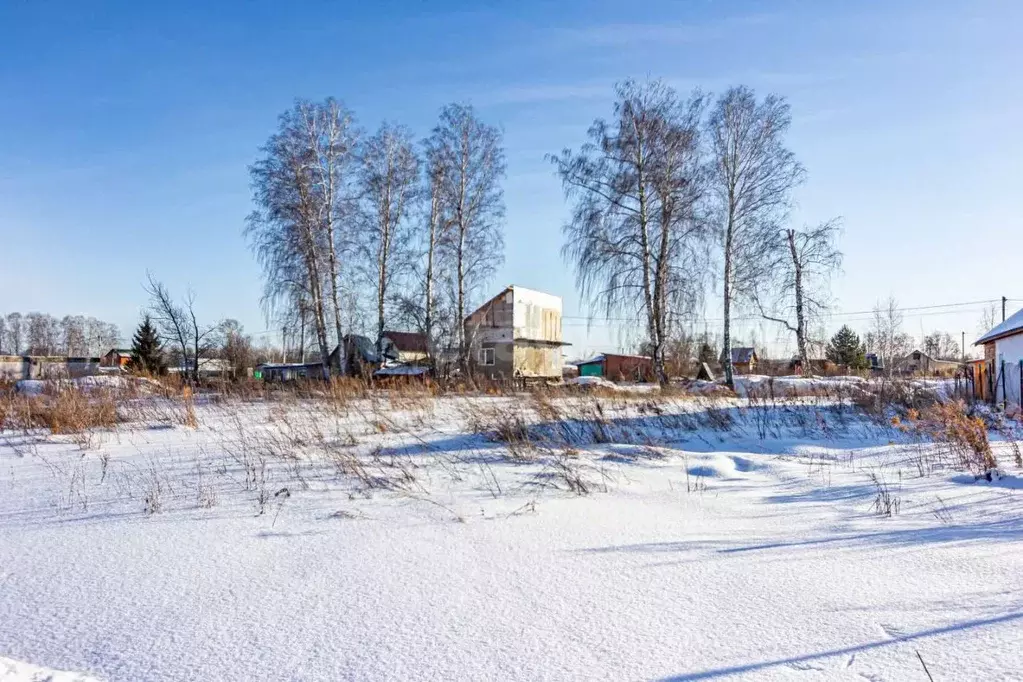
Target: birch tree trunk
point(431, 250)
point(754, 174)
point(797, 268)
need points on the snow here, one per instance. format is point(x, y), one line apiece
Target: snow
point(30, 386)
point(17, 671)
point(796, 385)
point(592, 382)
point(401, 370)
point(710, 546)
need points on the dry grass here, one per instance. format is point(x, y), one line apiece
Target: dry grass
point(964, 435)
point(260, 441)
point(64, 410)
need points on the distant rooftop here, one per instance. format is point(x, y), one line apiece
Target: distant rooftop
point(1012, 325)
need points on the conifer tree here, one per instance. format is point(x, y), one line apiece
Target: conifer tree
point(146, 350)
point(846, 350)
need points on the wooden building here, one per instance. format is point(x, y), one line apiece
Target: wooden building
point(744, 360)
point(516, 335)
point(619, 367)
point(116, 357)
point(409, 347)
point(919, 363)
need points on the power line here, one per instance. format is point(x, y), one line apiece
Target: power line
point(576, 319)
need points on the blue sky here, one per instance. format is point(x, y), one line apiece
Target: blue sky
point(126, 130)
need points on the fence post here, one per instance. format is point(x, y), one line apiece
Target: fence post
point(1005, 397)
point(991, 382)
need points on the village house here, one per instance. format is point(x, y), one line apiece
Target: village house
point(819, 366)
point(1002, 372)
point(920, 363)
point(744, 360)
point(116, 357)
point(408, 348)
point(618, 367)
point(516, 335)
point(875, 365)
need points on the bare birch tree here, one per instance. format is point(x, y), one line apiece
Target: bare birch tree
point(753, 178)
point(43, 332)
point(72, 333)
point(801, 263)
point(15, 337)
point(989, 317)
point(179, 326)
point(435, 228)
point(331, 138)
point(636, 237)
point(391, 189)
point(300, 188)
point(170, 319)
point(886, 337)
point(469, 164)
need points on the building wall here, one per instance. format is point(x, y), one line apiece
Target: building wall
point(536, 315)
point(411, 357)
point(493, 322)
point(537, 360)
point(628, 368)
point(1008, 354)
point(504, 360)
point(13, 368)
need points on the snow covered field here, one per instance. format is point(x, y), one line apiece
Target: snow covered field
point(497, 538)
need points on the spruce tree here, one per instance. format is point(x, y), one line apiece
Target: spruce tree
point(707, 354)
point(845, 349)
point(146, 350)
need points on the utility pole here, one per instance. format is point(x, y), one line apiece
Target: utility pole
point(1004, 300)
point(964, 347)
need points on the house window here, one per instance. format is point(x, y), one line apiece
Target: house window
point(486, 356)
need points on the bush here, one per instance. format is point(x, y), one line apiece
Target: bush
point(965, 435)
point(65, 410)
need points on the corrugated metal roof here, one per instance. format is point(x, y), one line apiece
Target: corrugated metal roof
point(742, 354)
point(1012, 325)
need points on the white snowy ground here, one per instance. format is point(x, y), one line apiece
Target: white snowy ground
point(701, 552)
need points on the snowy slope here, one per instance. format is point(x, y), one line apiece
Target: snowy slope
point(711, 555)
point(19, 671)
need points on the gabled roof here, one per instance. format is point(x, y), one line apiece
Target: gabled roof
point(741, 354)
point(490, 301)
point(1010, 327)
point(120, 351)
point(408, 342)
point(604, 356)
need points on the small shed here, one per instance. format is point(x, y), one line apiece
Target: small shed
point(817, 366)
point(116, 357)
point(744, 360)
point(617, 367)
